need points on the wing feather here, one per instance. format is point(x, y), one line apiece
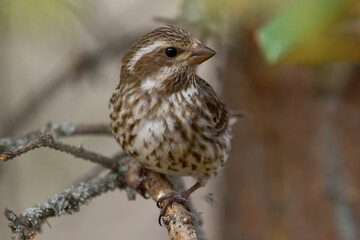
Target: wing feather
point(217, 109)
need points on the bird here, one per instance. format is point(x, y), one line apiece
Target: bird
point(165, 116)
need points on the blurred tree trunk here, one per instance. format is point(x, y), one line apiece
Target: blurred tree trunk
point(293, 169)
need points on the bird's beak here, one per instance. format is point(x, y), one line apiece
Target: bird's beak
point(200, 54)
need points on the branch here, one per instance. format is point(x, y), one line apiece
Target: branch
point(57, 130)
point(177, 219)
point(47, 140)
point(26, 224)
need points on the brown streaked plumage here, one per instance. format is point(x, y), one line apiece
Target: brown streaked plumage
point(164, 115)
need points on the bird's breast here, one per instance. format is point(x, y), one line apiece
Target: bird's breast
point(169, 134)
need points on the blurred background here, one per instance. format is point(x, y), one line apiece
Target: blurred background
point(291, 65)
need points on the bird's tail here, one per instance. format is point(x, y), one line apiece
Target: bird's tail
point(236, 114)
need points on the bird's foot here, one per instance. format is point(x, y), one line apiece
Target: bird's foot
point(167, 200)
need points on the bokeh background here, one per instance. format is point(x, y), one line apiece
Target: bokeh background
point(292, 67)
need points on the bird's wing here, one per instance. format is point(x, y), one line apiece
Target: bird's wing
point(217, 109)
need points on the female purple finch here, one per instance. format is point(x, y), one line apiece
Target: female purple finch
point(167, 117)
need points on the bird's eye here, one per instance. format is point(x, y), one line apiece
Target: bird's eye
point(171, 52)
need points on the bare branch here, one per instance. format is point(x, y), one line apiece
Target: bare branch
point(86, 129)
point(57, 130)
point(96, 171)
point(47, 140)
point(177, 219)
point(26, 224)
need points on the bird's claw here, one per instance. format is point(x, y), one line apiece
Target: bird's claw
point(167, 200)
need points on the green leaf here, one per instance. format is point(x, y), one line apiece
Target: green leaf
point(304, 17)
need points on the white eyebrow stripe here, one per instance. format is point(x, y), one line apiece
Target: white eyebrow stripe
point(142, 51)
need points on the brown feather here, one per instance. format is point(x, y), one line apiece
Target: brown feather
point(217, 109)
point(163, 114)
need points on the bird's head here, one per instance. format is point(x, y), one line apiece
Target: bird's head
point(165, 57)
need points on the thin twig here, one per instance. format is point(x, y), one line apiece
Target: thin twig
point(86, 129)
point(57, 130)
point(96, 170)
point(47, 140)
